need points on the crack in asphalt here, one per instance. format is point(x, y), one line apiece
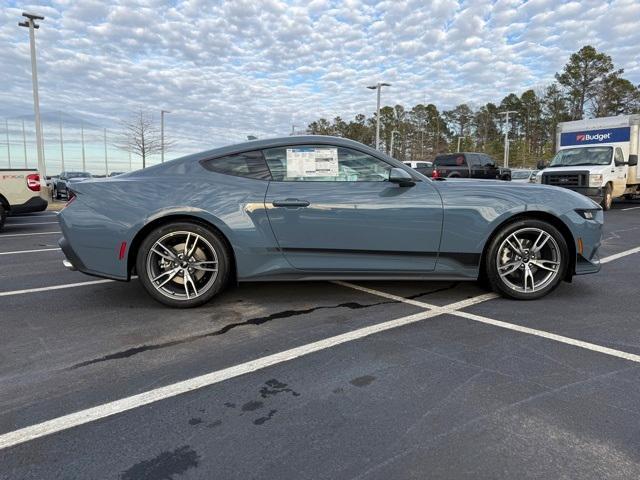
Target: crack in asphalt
point(252, 321)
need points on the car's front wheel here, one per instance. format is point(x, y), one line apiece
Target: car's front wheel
point(527, 259)
point(183, 264)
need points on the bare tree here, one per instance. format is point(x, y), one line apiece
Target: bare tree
point(141, 136)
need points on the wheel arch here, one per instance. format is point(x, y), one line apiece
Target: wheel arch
point(535, 215)
point(134, 246)
point(5, 203)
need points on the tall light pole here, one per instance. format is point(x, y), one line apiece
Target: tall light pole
point(162, 112)
point(84, 162)
point(393, 136)
point(24, 144)
point(61, 145)
point(506, 136)
point(30, 23)
point(106, 161)
point(378, 86)
point(6, 124)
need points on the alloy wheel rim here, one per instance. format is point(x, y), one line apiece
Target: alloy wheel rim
point(528, 260)
point(182, 265)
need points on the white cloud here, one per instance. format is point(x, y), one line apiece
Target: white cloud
point(229, 69)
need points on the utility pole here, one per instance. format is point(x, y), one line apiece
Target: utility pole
point(84, 162)
point(61, 146)
point(6, 124)
point(506, 135)
point(106, 161)
point(30, 23)
point(293, 130)
point(24, 144)
point(162, 112)
point(459, 138)
point(393, 136)
point(378, 86)
point(129, 160)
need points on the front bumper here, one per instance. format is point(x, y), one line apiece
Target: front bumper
point(594, 193)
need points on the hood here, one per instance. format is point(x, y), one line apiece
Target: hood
point(77, 179)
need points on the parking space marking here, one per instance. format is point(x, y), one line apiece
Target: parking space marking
point(30, 251)
point(616, 256)
point(28, 234)
point(82, 417)
point(54, 287)
point(630, 208)
point(551, 336)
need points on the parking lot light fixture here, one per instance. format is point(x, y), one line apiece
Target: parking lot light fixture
point(393, 136)
point(506, 135)
point(31, 24)
point(378, 86)
point(162, 112)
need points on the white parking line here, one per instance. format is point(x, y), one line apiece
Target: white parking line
point(551, 336)
point(53, 287)
point(82, 417)
point(2, 235)
point(29, 251)
point(616, 256)
point(112, 408)
point(629, 208)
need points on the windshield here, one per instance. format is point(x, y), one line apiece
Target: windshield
point(582, 156)
point(520, 174)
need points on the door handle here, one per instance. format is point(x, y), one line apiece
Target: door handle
point(290, 203)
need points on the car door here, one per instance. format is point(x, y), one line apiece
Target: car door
point(619, 171)
point(333, 209)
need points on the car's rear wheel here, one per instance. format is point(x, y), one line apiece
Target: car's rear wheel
point(527, 259)
point(183, 264)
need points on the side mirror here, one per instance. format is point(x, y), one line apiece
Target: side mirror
point(402, 178)
point(541, 165)
point(633, 160)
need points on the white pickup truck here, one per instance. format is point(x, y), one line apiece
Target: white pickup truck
point(20, 193)
point(597, 157)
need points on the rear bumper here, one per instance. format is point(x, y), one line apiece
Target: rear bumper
point(73, 262)
point(34, 204)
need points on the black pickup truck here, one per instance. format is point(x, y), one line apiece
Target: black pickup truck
point(466, 165)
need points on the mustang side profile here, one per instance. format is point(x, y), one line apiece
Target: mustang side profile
point(322, 208)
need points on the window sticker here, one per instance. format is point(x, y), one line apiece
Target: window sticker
point(312, 162)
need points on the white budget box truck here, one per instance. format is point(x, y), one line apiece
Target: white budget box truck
point(597, 157)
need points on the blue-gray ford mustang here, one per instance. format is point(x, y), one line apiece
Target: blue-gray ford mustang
point(316, 207)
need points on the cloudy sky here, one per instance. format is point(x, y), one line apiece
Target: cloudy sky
point(226, 70)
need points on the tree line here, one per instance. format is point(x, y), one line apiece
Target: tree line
point(589, 85)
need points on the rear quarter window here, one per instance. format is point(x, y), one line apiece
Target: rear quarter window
point(247, 164)
point(450, 160)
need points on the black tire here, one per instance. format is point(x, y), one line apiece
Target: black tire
point(175, 292)
point(3, 216)
point(527, 232)
point(454, 175)
point(56, 194)
point(607, 199)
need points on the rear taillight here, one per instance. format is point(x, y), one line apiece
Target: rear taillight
point(33, 182)
point(435, 173)
point(70, 201)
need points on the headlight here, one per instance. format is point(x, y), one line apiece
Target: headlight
point(595, 180)
point(587, 214)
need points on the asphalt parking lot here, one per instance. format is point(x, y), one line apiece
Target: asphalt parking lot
point(372, 380)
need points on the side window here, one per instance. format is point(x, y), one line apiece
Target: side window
point(324, 163)
point(487, 161)
point(619, 158)
point(247, 164)
point(474, 159)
